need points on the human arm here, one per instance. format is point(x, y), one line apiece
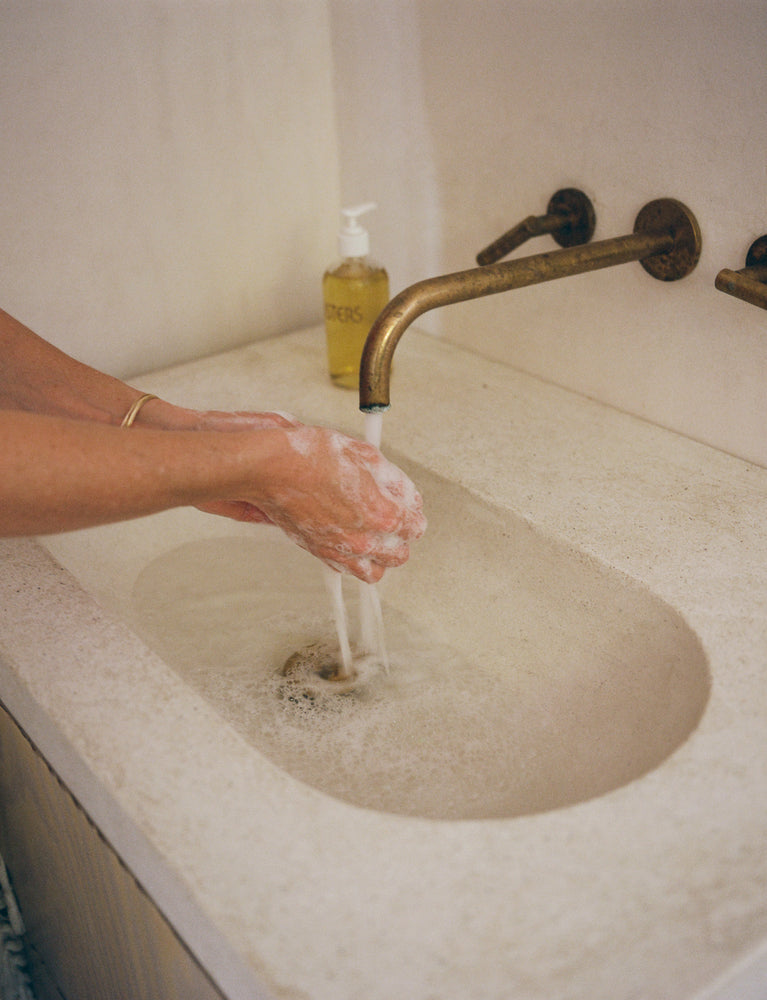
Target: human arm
point(66, 463)
point(337, 497)
point(37, 377)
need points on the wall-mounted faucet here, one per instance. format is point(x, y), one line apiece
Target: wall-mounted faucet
point(750, 282)
point(666, 240)
point(569, 218)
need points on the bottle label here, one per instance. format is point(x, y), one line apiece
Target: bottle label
point(343, 314)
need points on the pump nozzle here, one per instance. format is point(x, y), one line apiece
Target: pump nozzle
point(353, 239)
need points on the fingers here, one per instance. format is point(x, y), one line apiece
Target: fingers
point(367, 571)
point(405, 517)
point(363, 569)
point(216, 420)
point(376, 510)
point(237, 510)
point(364, 554)
point(411, 521)
point(340, 498)
point(335, 496)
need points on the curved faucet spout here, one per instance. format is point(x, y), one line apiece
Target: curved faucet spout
point(666, 239)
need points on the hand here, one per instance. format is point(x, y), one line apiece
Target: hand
point(161, 415)
point(167, 416)
point(333, 495)
point(341, 500)
point(217, 420)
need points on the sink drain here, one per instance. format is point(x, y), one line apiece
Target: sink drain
point(316, 671)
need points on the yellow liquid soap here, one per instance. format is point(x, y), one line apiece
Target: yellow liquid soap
point(354, 293)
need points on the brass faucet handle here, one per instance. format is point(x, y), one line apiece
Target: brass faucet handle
point(570, 218)
point(750, 282)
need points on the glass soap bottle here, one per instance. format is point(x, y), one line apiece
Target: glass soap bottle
point(354, 291)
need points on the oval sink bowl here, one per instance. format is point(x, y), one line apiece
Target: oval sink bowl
point(523, 676)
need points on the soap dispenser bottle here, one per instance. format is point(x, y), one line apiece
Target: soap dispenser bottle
point(354, 291)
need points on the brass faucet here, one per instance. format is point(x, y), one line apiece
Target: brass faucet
point(666, 240)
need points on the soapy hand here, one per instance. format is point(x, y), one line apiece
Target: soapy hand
point(337, 497)
point(342, 500)
point(170, 417)
point(217, 420)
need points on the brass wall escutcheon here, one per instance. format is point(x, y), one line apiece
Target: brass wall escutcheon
point(757, 253)
point(577, 208)
point(666, 215)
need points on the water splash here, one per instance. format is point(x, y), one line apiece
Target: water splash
point(372, 632)
point(334, 584)
point(372, 635)
point(374, 428)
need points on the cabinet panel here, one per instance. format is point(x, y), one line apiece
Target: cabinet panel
point(90, 924)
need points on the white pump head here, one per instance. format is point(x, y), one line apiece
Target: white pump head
point(353, 239)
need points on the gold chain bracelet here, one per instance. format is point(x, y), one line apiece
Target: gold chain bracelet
point(132, 413)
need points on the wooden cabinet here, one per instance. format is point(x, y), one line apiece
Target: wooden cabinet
point(93, 933)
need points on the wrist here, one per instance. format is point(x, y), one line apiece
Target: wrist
point(157, 414)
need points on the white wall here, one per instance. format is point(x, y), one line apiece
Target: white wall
point(170, 177)
point(168, 173)
point(463, 116)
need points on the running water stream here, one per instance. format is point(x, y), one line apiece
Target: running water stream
point(372, 638)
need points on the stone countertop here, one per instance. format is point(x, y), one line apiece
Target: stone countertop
point(655, 889)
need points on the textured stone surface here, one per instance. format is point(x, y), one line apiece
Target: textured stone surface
point(654, 889)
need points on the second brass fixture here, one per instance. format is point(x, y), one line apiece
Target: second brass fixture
point(666, 240)
point(569, 217)
point(750, 282)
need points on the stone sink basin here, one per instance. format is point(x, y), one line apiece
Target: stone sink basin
point(524, 675)
point(559, 790)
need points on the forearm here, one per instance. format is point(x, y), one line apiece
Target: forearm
point(58, 474)
point(336, 497)
point(37, 377)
